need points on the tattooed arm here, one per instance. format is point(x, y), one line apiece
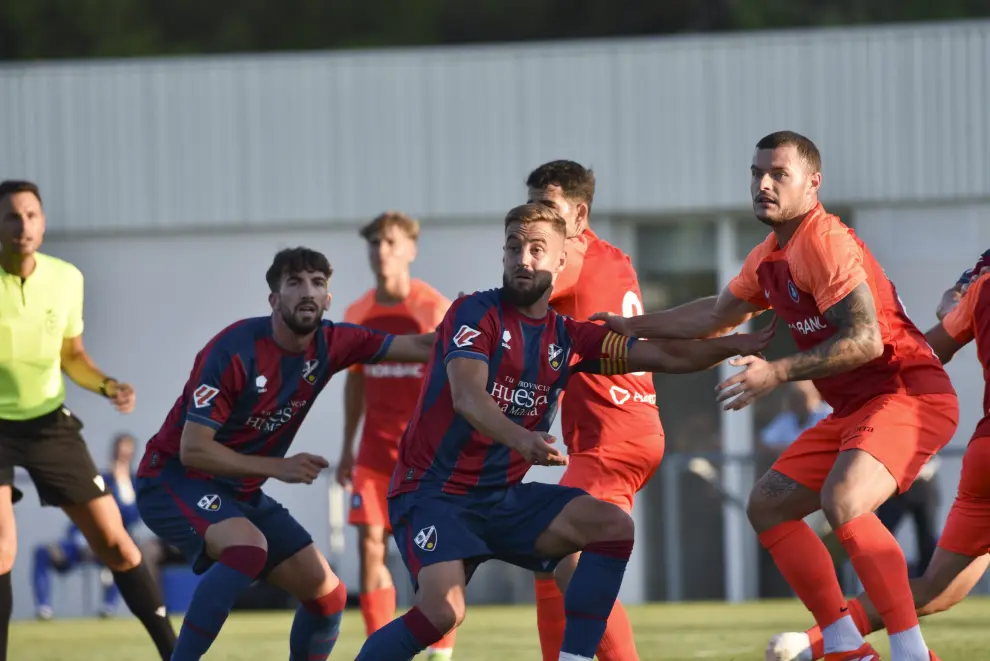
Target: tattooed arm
point(856, 341)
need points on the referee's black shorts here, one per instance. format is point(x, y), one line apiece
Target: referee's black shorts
point(52, 450)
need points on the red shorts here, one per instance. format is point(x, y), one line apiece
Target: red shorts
point(615, 472)
point(369, 498)
point(902, 432)
point(967, 530)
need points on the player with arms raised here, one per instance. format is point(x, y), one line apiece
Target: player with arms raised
point(385, 396)
point(610, 424)
point(501, 360)
point(200, 480)
point(894, 405)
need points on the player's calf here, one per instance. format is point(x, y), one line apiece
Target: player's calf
point(322, 596)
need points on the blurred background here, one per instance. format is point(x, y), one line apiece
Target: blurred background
point(178, 145)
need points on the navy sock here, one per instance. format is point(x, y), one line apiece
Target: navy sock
point(214, 597)
point(40, 577)
point(316, 626)
point(401, 639)
point(591, 595)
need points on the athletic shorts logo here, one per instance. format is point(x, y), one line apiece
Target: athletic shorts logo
point(554, 353)
point(356, 501)
point(100, 483)
point(209, 502)
point(203, 395)
point(426, 538)
point(465, 336)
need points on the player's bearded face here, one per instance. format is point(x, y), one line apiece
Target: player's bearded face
point(782, 185)
point(22, 223)
point(302, 301)
point(532, 257)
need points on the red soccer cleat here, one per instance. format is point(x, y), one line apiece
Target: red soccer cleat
point(864, 653)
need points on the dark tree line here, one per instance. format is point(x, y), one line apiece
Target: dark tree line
point(53, 29)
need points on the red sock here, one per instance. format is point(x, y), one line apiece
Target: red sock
point(618, 643)
point(860, 618)
point(447, 642)
point(882, 568)
point(378, 608)
point(550, 619)
point(804, 561)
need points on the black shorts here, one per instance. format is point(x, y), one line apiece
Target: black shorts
point(52, 450)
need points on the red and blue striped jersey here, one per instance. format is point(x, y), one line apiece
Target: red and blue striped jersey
point(256, 394)
point(529, 362)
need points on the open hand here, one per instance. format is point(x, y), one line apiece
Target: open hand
point(614, 322)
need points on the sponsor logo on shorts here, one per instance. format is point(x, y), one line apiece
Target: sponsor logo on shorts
point(203, 395)
point(554, 353)
point(100, 483)
point(356, 501)
point(426, 538)
point(209, 502)
point(465, 335)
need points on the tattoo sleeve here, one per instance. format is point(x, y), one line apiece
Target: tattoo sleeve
point(856, 340)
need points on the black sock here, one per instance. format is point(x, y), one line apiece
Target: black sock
point(6, 607)
point(142, 595)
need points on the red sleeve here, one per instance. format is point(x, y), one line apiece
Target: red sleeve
point(351, 344)
point(217, 381)
point(961, 320)
point(828, 264)
point(468, 330)
point(596, 349)
point(746, 285)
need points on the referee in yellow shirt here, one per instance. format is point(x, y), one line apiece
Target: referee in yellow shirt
point(41, 324)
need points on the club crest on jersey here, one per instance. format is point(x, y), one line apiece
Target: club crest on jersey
point(356, 501)
point(793, 291)
point(309, 370)
point(209, 502)
point(465, 335)
point(203, 395)
point(426, 538)
point(554, 355)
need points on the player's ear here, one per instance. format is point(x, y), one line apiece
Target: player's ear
point(273, 300)
point(581, 221)
point(563, 261)
point(329, 299)
point(816, 182)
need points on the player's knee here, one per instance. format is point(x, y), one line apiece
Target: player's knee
point(445, 612)
point(841, 505)
point(120, 553)
point(233, 533)
point(615, 524)
point(776, 499)
point(372, 547)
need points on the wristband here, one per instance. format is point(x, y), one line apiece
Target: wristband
point(103, 386)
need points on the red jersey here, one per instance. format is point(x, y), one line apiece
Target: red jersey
point(970, 320)
point(820, 265)
point(603, 410)
point(391, 389)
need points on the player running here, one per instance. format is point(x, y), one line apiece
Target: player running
point(385, 396)
point(610, 424)
point(894, 404)
point(501, 360)
point(199, 483)
point(961, 557)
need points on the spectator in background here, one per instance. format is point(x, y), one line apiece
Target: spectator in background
point(803, 408)
point(72, 551)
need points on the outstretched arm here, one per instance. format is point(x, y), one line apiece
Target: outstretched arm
point(411, 348)
point(682, 356)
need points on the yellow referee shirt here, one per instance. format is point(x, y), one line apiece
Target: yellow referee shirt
point(36, 314)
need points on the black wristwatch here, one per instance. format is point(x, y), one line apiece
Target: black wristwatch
point(103, 386)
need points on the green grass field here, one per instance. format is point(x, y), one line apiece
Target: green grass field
point(669, 632)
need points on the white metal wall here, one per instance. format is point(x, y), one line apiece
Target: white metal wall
point(669, 123)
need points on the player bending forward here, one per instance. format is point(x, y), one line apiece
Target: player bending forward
point(894, 405)
point(199, 483)
point(501, 360)
point(963, 551)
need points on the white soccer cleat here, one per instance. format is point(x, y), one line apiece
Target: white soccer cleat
point(791, 646)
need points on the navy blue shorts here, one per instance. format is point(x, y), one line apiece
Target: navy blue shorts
point(501, 524)
point(179, 509)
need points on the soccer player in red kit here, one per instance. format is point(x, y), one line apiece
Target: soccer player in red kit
point(200, 481)
point(610, 424)
point(963, 552)
point(894, 406)
point(501, 359)
point(385, 395)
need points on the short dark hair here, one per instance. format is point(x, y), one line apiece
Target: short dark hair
point(383, 221)
point(13, 186)
point(296, 260)
point(805, 147)
point(576, 181)
point(534, 212)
